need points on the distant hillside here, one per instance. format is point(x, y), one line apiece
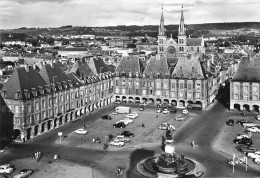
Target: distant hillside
point(196, 30)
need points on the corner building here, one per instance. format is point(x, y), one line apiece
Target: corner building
point(41, 102)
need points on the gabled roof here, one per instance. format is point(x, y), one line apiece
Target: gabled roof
point(157, 65)
point(194, 41)
point(81, 69)
point(188, 67)
point(130, 64)
point(51, 73)
point(22, 80)
point(97, 66)
point(248, 70)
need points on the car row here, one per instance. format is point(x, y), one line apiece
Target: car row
point(166, 126)
point(122, 138)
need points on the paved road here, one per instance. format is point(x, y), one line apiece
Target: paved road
point(203, 130)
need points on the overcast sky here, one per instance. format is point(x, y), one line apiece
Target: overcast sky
point(56, 13)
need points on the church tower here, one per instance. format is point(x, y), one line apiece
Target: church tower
point(161, 36)
point(182, 39)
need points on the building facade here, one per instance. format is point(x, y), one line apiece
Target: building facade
point(245, 85)
point(46, 100)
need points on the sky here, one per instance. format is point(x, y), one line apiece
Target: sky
point(94, 13)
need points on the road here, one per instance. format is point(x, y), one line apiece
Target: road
point(202, 130)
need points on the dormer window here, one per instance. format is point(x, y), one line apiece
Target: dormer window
point(26, 94)
point(41, 90)
point(17, 95)
point(59, 85)
point(34, 91)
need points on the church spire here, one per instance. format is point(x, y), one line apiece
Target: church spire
point(181, 26)
point(161, 27)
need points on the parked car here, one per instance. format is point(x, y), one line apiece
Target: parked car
point(122, 138)
point(159, 111)
point(107, 117)
point(165, 126)
point(249, 149)
point(230, 122)
point(173, 110)
point(179, 118)
point(143, 104)
point(122, 121)
point(119, 125)
point(231, 162)
point(242, 121)
point(257, 160)
point(6, 169)
point(245, 147)
point(132, 115)
point(245, 141)
point(185, 111)
point(258, 117)
point(24, 173)
point(127, 120)
point(253, 155)
point(141, 108)
point(242, 136)
point(165, 111)
point(117, 143)
point(253, 129)
point(248, 124)
point(126, 133)
point(81, 131)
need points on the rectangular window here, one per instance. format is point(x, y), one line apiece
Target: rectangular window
point(198, 86)
point(117, 83)
point(136, 91)
point(151, 92)
point(255, 89)
point(130, 91)
point(43, 114)
point(67, 95)
point(117, 90)
point(144, 92)
point(246, 97)
point(137, 84)
point(72, 94)
point(123, 91)
point(173, 94)
point(173, 85)
point(130, 83)
point(61, 98)
point(17, 120)
point(36, 106)
point(144, 83)
point(158, 93)
point(29, 108)
point(255, 97)
point(236, 96)
point(181, 94)
point(158, 84)
point(245, 88)
point(181, 85)
point(43, 103)
point(198, 95)
point(189, 86)
point(16, 109)
point(166, 93)
point(123, 82)
point(236, 88)
point(151, 84)
point(189, 95)
point(165, 85)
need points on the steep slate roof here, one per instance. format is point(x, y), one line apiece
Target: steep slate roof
point(248, 70)
point(81, 69)
point(130, 64)
point(157, 65)
point(97, 66)
point(20, 80)
point(194, 41)
point(48, 71)
point(188, 67)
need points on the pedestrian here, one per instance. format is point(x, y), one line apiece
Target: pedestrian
point(93, 140)
point(84, 126)
point(157, 116)
point(143, 125)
